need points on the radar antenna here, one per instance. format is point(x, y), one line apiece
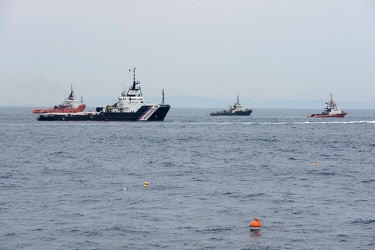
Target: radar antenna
point(134, 81)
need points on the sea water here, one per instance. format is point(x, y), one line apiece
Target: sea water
point(80, 185)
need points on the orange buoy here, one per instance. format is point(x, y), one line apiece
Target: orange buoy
point(255, 224)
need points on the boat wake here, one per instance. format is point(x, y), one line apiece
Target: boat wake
point(340, 122)
point(271, 122)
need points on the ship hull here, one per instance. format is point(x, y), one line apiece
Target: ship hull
point(59, 110)
point(327, 116)
point(237, 113)
point(145, 113)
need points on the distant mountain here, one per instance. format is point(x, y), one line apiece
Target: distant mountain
point(200, 102)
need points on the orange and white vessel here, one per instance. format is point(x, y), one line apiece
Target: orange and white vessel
point(255, 225)
point(69, 105)
point(331, 111)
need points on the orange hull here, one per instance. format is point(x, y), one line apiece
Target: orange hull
point(80, 108)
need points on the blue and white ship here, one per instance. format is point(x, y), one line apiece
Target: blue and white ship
point(129, 107)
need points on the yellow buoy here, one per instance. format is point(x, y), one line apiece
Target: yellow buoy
point(145, 184)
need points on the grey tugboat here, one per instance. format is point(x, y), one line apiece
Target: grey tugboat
point(235, 109)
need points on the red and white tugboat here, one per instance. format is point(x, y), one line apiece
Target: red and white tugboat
point(69, 105)
point(331, 111)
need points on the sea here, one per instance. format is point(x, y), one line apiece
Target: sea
point(193, 181)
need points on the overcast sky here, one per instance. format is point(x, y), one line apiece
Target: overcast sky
point(259, 49)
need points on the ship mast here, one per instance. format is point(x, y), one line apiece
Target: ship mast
point(133, 89)
point(134, 82)
point(331, 97)
point(133, 76)
point(162, 100)
point(71, 96)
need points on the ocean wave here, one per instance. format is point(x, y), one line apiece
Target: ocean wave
point(254, 195)
point(363, 221)
point(207, 180)
point(6, 176)
point(369, 181)
point(308, 122)
point(213, 230)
